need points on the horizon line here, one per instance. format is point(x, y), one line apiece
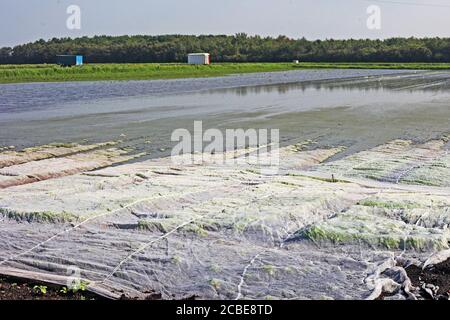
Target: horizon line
point(227, 35)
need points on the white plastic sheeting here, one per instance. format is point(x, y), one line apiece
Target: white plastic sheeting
point(313, 231)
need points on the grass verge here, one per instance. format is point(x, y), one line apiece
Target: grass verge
point(152, 71)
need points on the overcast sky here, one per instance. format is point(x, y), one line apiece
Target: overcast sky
point(29, 20)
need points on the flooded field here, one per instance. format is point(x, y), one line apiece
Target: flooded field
point(329, 106)
point(361, 195)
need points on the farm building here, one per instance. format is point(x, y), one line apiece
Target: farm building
point(199, 58)
point(69, 60)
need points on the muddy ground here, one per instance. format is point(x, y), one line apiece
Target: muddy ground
point(434, 282)
point(22, 289)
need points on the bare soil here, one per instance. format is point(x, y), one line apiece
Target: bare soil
point(19, 289)
point(438, 275)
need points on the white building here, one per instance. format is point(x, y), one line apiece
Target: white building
point(199, 58)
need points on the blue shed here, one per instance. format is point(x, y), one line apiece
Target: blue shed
point(69, 60)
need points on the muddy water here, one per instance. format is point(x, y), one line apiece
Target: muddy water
point(355, 108)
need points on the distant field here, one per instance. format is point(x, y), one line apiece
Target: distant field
point(94, 72)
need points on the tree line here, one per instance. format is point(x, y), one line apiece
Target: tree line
point(223, 48)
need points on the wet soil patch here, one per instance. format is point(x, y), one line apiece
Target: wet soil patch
point(437, 276)
point(19, 289)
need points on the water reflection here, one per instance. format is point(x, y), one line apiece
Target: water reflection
point(354, 111)
point(35, 96)
point(433, 82)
